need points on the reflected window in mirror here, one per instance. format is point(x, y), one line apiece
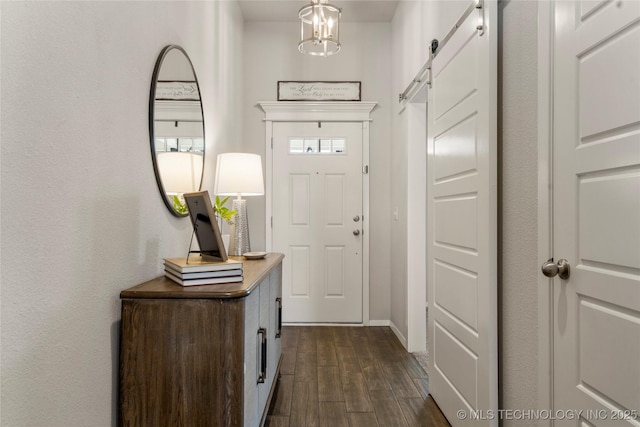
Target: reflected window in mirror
point(176, 127)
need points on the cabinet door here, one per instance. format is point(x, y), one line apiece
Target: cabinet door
point(275, 320)
point(180, 362)
point(261, 314)
point(263, 388)
point(252, 414)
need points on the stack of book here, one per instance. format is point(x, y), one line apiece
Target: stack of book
point(198, 272)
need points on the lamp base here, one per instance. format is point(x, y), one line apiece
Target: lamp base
point(239, 232)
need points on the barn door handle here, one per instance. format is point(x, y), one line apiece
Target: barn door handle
point(561, 268)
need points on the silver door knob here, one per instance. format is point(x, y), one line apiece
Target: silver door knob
point(356, 218)
point(561, 268)
point(356, 232)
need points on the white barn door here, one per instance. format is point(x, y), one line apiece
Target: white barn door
point(462, 222)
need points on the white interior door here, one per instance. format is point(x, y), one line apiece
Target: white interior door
point(462, 222)
point(317, 220)
point(596, 213)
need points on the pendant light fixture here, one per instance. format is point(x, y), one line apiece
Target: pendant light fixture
point(319, 29)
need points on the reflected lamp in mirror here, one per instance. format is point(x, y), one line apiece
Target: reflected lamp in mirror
point(180, 171)
point(239, 174)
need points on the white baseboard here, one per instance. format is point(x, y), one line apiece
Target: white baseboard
point(371, 323)
point(402, 339)
point(321, 324)
point(379, 322)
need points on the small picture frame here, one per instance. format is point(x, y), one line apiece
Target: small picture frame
point(319, 91)
point(205, 226)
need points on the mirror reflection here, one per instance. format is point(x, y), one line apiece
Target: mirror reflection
point(176, 127)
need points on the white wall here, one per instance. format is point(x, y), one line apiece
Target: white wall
point(271, 54)
point(82, 218)
point(518, 178)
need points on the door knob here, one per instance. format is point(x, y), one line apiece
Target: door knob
point(561, 268)
point(356, 232)
point(356, 218)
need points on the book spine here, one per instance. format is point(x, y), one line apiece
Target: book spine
point(204, 274)
point(205, 281)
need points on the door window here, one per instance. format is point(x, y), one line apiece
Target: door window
point(317, 145)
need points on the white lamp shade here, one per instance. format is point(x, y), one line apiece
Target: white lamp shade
point(239, 174)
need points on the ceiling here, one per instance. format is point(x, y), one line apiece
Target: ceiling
point(287, 10)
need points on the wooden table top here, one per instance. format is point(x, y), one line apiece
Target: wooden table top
point(254, 271)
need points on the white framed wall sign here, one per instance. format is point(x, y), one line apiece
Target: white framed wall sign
point(319, 91)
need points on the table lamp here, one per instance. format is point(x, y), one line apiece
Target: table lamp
point(239, 174)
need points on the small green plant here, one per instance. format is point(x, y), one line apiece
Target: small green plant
point(180, 207)
point(223, 212)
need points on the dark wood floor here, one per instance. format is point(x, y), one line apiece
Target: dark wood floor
point(350, 376)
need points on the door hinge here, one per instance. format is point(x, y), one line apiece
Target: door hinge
point(365, 169)
point(480, 26)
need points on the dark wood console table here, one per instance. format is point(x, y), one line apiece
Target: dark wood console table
point(201, 355)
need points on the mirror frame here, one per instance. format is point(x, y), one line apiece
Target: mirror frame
point(152, 136)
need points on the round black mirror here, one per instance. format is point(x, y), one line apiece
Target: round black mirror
point(176, 128)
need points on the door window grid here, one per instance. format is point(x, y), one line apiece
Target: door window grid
point(195, 145)
point(317, 145)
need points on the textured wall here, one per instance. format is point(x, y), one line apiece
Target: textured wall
point(414, 25)
point(518, 206)
point(82, 218)
point(365, 57)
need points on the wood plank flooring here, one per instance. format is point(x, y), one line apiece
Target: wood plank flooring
point(350, 376)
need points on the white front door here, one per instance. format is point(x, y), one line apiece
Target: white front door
point(596, 211)
point(462, 222)
point(317, 219)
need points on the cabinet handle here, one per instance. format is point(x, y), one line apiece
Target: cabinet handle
point(262, 376)
point(279, 314)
